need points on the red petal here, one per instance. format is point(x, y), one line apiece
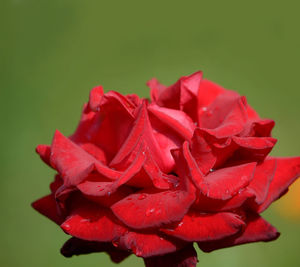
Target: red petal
point(48, 207)
point(257, 229)
point(287, 171)
point(263, 176)
point(206, 204)
point(44, 152)
point(72, 162)
point(148, 244)
point(186, 257)
point(220, 184)
point(76, 246)
point(254, 148)
point(202, 152)
point(153, 209)
point(222, 126)
point(91, 222)
point(225, 183)
point(177, 120)
point(197, 226)
point(208, 92)
point(95, 98)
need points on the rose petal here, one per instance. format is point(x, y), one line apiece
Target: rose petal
point(91, 222)
point(148, 244)
point(287, 171)
point(186, 257)
point(217, 124)
point(48, 207)
point(76, 246)
point(263, 176)
point(177, 120)
point(197, 226)
point(220, 184)
point(72, 162)
point(95, 98)
point(44, 152)
point(150, 208)
point(257, 229)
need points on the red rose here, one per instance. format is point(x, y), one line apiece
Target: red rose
point(152, 178)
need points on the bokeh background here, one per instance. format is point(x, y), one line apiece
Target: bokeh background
point(53, 52)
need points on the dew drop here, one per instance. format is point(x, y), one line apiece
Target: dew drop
point(149, 211)
point(204, 109)
point(180, 224)
point(143, 152)
point(115, 243)
point(67, 226)
point(211, 170)
point(227, 191)
point(109, 193)
point(142, 196)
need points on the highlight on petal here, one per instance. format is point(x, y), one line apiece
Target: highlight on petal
point(196, 226)
point(186, 257)
point(257, 229)
point(287, 171)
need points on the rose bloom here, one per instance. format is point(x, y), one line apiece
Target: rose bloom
point(150, 178)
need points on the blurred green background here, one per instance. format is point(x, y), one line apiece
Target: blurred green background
point(53, 52)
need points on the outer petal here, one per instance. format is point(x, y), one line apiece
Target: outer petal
point(72, 162)
point(186, 257)
point(148, 244)
point(263, 176)
point(48, 207)
point(44, 152)
point(197, 226)
point(287, 171)
point(95, 98)
point(91, 222)
point(257, 229)
point(76, 246)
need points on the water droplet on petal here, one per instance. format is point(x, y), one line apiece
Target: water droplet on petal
point(109, 193)
point(211, 170)
point(142, 196)
point(149, 211)
point(227, 191)
point(204, 109)
point(180, 224)
point(67, 226)
point(115, 243)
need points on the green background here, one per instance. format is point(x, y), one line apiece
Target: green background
point(53, 52)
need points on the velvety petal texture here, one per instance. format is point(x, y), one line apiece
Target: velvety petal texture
point(155, 177)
